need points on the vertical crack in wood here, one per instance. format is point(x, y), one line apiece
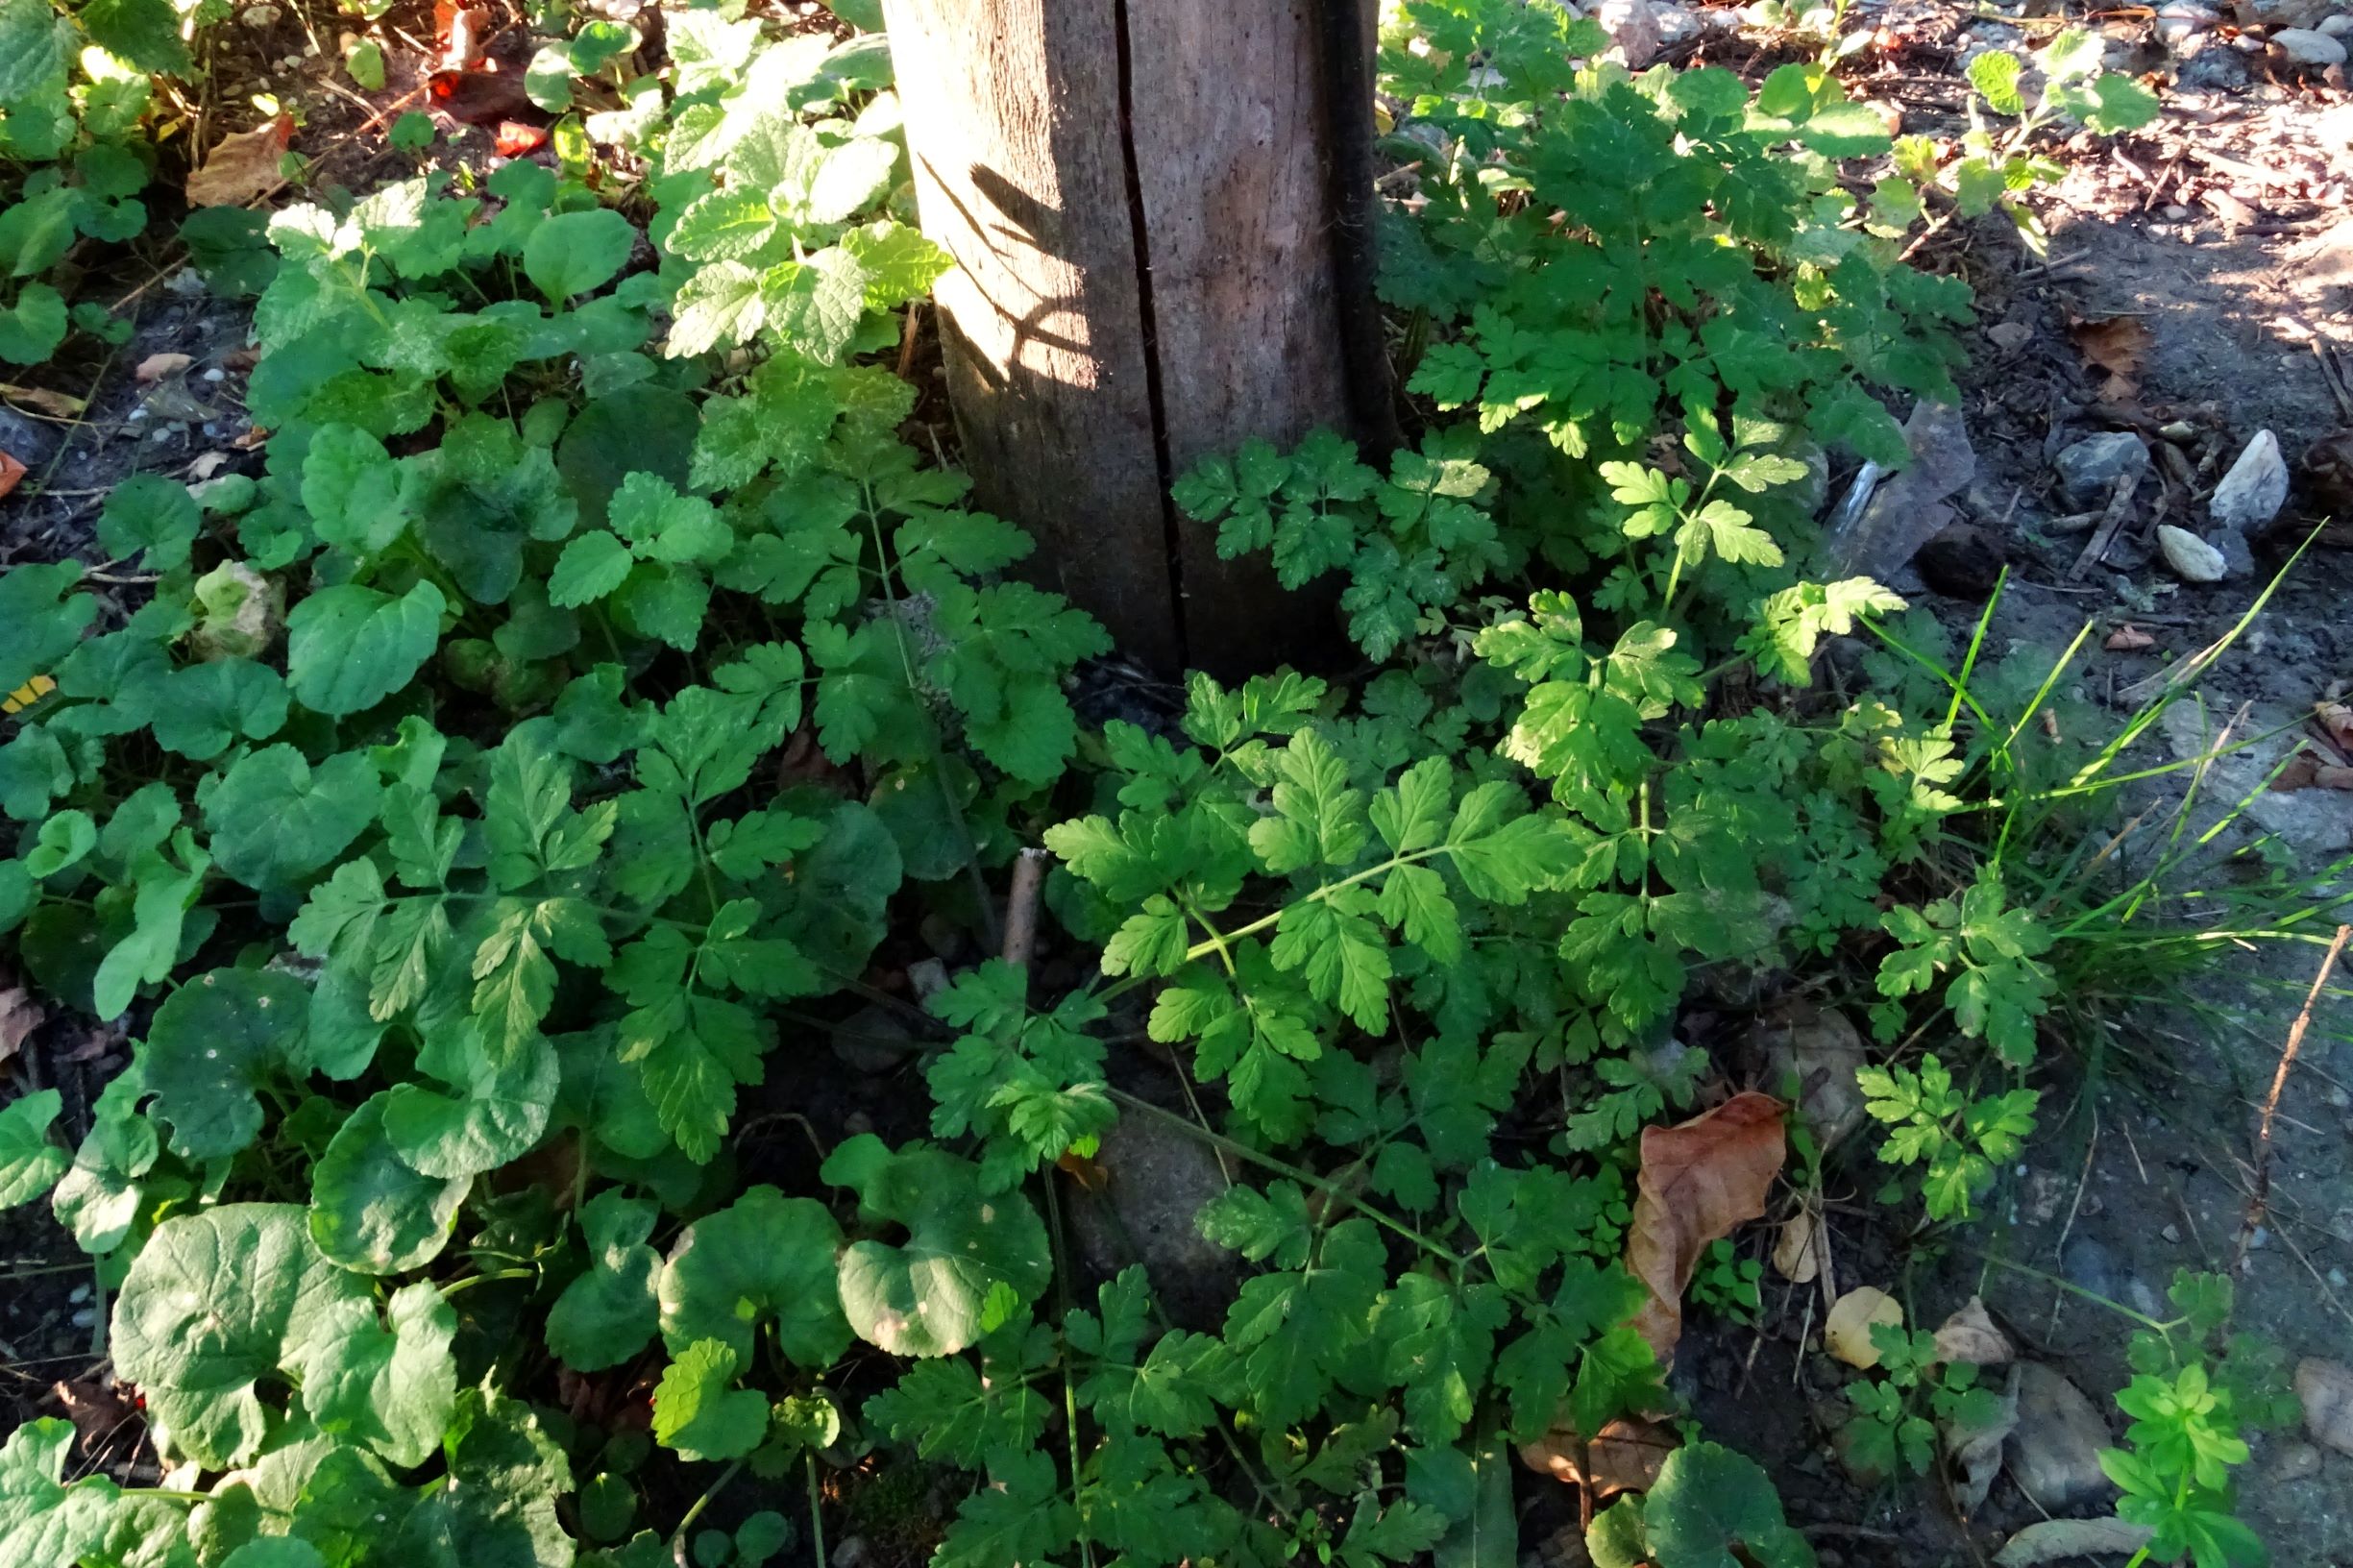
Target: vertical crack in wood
point(1344, 53)
point(1163, 461)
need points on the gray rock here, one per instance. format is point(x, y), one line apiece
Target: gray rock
point(2089, 469)
point(29, 441)
point(2336, 26)
point(2089, 1266)
point(2297, 1462)
point(2268, 14)
point(2055, 1453)
point(874, 1040)
point(2237, 557)
point(1633, 27)
point(2307, 47)
point(1157, 1178)
point(2256, 487)
point(2209, 64)
point(1907, 509)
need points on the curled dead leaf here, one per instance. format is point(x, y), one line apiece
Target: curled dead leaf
point(1699, 1179)
point(2054, 1540)
point(1846, 1332)
point(11, 471)
point(155, 366)
point(2300, 772)
point(1624, 1456)
point(19, 1016)
point(2117, 345)
point(2336, 722)
point(2129, 639)
point(1970, 1336)
point(1797, 1254)
point(41, 400)
point(242, 167)
point(97, 1409)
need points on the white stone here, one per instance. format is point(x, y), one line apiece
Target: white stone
point(2308, 48)
point(2335, 27)
point(2191, 558)
point(2256, 487)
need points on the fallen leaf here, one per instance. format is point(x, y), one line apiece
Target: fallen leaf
point(462, 32)
point(155, 366)
point(2054, 1540)
point(514, 139)
point(43, 400)
point(19, 1016)
point(1973, 1451)
point(2325, 1390)
point(1968, 1335)
point(2129, 639)
point(2336, 720)
point(479, 97)
point(242, 167)
point(2300, 772)
point(205, 464)
point(1089, 1174)
point(11, 471)
point(2329, 776)
point(1624, 1456)
point(2117, 345)
point(1797, 1255)
point(1846, 1332)
point(1699, 1179)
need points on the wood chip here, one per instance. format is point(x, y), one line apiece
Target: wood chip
point(155, 366)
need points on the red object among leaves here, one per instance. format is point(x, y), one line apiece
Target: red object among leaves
point(516, 139)
point(11, 471)
point(482, 97)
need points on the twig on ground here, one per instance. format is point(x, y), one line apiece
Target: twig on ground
point(2120, 508)
point(2262, 1194)
point(1022, 906)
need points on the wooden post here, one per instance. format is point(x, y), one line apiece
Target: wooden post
point(1137, 193)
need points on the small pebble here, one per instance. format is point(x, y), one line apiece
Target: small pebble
point(216, 374)
point(159, 438)
point(138, 413)
point(2177, 213)
point(2336, 1278)
point(79, 1295)
point(2259, 1239)
point(86, 1317)
point(2296, 1462)
point(2172, 1232)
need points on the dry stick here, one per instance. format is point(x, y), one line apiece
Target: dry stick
point(2270, 1105)
point(2120, 508)
point(1022, 906)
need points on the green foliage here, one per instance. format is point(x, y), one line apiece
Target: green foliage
point(1913, 1391)
point(1931, 1122)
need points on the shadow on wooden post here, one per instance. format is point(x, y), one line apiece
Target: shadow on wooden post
point(1138, 200)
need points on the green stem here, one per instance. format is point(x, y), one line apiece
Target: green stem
point(677, 1537)
point(2072, 1289)
point(817, 1514)
point(496, 1274)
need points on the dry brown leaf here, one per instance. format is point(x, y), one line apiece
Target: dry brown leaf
point(2325, 1390)
point(11, 471)
point(19, 1016)
point(2336, 720)
point(1626, 1457)
point(243, 166)
point(1970, 1336)
point(1797, 1255)
point(2129, 639)
point(155, 366)
point(1846, 1332)
point(2300, 772)
point(41, 400)
point(1699, 1179)
point(205, 464)
point(2329, 776)
point(2117, 345)
point(2054, 1540)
